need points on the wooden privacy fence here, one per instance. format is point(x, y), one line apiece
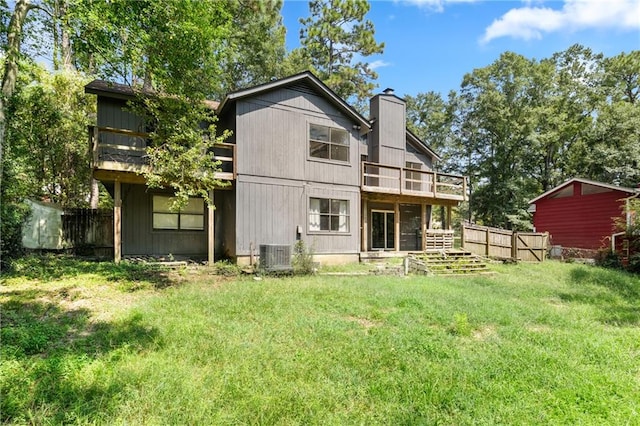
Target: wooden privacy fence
point(88, 228)
point(504, 244)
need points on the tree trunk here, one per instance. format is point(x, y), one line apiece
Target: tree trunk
point(65, 42)
point(95, 194)
point(10, 72)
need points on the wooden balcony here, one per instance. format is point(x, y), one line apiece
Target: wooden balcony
point(124, 151)
point(378, 178)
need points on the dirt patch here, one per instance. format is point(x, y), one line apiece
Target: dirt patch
point(364, 322)
point(484, 333)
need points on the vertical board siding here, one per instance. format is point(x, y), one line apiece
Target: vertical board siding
point(272, 211)
point(138, 237)
point(389, 130)
point(273, 138)
point(267, 214)
point(276, 176)
point(580, 221)
point(112, 113)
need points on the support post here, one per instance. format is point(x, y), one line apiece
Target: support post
point(449, 227)
point(211, 231)
point(396, 215)
point(117, 221)
point(423, 226)
point(488, 240)
point(365, 225)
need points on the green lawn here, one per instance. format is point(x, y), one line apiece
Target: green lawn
point(535, 344)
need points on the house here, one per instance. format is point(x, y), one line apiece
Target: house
point(303, 164)
point(580, 213)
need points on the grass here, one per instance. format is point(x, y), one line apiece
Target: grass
point(533, 344)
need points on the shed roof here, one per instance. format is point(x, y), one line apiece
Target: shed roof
point(126, 92)
point(629, 191)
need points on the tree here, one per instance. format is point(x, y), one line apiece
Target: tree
point(48, 133)
point(256, 48)
point(497, 122)
point(337, 37)
point(172, 53)
point(11, 213)
point(432, 119)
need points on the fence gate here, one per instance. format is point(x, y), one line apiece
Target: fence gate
point(504, 244)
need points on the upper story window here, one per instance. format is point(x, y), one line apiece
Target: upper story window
point(328, 142)
point(189, 218)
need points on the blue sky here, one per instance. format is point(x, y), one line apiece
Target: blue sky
point(431, 44)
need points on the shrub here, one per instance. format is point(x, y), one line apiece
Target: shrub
point(634, 263)
point(302, 259)
point(12, 216)
point(226, 268)
point(608, 259)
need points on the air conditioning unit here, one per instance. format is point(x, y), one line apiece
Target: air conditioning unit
point(275, 258)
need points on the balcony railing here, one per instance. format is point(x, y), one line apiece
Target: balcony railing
point(403, 181)
point(124, 150)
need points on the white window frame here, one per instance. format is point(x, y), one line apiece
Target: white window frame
point(342, 216)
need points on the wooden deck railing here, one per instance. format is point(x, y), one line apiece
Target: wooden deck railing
point(404, 181)
point(125, 150)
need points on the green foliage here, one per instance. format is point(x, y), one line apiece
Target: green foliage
point(307, 350)
point(303, 263)
point(174, 46)
point(47, 131)
point(608, 258)
point(519, 127)
point(181, 152)
point(634, 263)
point(255, 47)
point(335, 36)
point(460, 325)
point(226, 268)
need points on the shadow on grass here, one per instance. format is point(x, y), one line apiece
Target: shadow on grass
point(50, 355)
point(615, 293)
point(50, 267)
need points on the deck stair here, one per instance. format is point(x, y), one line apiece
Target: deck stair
point(448, 262)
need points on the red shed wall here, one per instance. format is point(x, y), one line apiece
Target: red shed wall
point(580, 221)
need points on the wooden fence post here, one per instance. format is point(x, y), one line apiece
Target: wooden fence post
point(514, 246)
point(488, 237)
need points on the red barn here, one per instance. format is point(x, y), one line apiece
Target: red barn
point(580, 213)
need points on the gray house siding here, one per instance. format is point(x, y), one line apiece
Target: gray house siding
point(138, 236)
point(273, 138)
point(113, 113)
point(276, 176)
point(273, 210)
point(388, 134)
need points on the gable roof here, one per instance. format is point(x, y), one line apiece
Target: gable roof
point(421, 144)
point(306, 77)
point(630, 191)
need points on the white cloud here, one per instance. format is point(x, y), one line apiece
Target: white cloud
point(378, 64)
point(532, 22)
point(434, 5)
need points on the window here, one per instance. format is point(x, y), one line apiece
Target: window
point(327, 142)
point(189, 218)
point(326, 214)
